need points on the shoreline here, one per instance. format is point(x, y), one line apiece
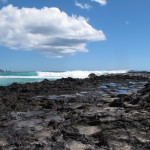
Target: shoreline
point(7, 79)
point(77, 114)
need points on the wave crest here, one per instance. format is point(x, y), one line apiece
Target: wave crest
point(76, 74)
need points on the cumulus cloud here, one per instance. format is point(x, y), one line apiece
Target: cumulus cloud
point(47, 30)
point(82, 6)
point(102, 2)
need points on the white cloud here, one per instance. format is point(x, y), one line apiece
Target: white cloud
point(54, 56)
point(47, 30)
point(82, 6)
point(102, 2)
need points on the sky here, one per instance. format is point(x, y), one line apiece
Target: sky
point(66, 35)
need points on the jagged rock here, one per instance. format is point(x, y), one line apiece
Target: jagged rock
point(92, 76)
point(116, 103)
point(70, 114)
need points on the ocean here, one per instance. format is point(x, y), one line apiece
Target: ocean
point(7, 78)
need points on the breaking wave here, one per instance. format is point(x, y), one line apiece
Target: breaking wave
point(57, 75)
point(76, 74)
point(8, 78)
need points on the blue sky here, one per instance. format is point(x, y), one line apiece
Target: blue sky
point(110, 36)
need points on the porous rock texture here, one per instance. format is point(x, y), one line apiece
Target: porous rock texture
point(109, 112)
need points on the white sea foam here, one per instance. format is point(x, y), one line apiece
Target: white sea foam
point(58, 75)
point(76, 74)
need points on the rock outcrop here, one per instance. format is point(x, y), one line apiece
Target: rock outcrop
point(97, 113)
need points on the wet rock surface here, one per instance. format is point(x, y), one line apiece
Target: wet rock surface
point(109, 112)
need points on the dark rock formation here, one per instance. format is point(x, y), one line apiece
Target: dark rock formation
point(106, 112)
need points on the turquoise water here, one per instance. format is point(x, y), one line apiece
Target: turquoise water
point(18, 74)
point(8, 78)
point(6, 82)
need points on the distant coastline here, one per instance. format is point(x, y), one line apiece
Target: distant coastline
point(4, 71)
point(1, 70)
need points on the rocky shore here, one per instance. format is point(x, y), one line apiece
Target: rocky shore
point(110, 112)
